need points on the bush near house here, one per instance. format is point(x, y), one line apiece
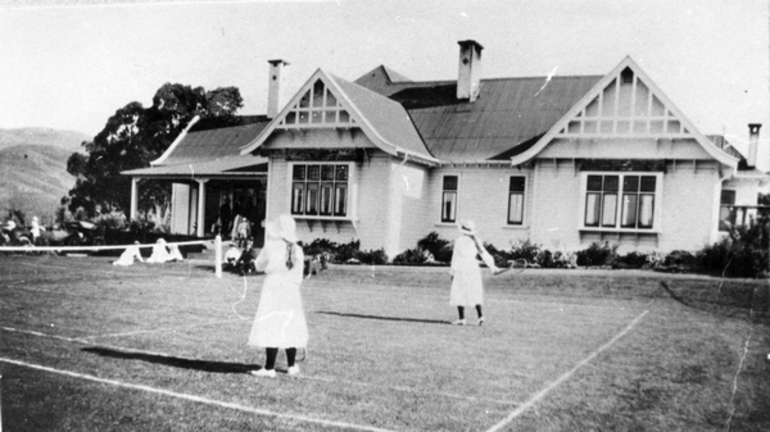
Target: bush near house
point(345, 253)
point(744, 253)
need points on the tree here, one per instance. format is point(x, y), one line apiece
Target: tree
point(132, 138)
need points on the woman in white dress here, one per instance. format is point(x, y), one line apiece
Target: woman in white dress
point(280, 321)
point(127, 257)
point(159, 252)
point(467, 288)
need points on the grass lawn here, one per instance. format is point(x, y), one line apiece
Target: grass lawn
point(85, 346)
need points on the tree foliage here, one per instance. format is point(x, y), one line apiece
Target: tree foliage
point(132, 138)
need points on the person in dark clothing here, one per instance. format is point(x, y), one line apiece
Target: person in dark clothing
point(247, 259)
point(225, 217)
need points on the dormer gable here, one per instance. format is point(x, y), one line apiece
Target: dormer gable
point(327, 102)
point(626, 103)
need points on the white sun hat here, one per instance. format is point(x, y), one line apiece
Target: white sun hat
point(468, 227)
point(283, 227)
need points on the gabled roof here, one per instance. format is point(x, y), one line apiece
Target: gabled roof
point(507, 113)
point(578, 115)
point(211, 139)
point(385, 122)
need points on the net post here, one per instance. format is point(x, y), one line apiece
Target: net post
point(218, 256)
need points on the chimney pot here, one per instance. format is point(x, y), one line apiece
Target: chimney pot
point(751, 160)
point(469, 73)
point(274, 86)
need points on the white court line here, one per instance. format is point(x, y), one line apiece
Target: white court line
point(542, 393)
point(409, 390)
point(199, 399)
point(304, 377)
point(159, 329)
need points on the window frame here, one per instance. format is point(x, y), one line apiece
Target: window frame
point(523, 194)
point(724, 224)
point(456, 192)
point(620, 201)
point(335, 186)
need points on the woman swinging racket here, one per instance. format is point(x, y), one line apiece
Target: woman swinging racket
point(280, 320)
point(466, 274)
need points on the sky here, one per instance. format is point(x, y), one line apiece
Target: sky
point(71, 64)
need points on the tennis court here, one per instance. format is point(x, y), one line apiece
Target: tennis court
point(87, 346)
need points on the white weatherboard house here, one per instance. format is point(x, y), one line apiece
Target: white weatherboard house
point(561, 161)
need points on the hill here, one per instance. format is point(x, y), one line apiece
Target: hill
point(33, 170)
point(63, 139)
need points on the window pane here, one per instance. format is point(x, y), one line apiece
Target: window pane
point(326, 199)
point(312, 199)
point(611, 183)
point(646, 210)
point(330, 99)
point(341, 172)
point(727, 197)
point(629, 211)
point(297, 197)
point(340, 199)
point(448, 207)
point(327, 172)
point(313, 172)
point(594, 183)
point(516, 208)
point(631, 184)
point(516, 184)
point(305, 101)
point(344, 117)
point(592, 209)
point(450, 183)
point(609, 210)
point(648, 184)
point(726, 218)
point(316, 117)
point(299, 172)
point(318, 93)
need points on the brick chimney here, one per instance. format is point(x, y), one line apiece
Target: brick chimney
point(469, 75)
point(751, 161)
point(274, 87)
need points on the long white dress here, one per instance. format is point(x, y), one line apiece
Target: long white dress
point(280, 320)
point(467, 289)
point(159, 254)
point(127, 257)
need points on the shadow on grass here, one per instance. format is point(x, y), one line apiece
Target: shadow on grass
point(383, 318)
point(200, 365)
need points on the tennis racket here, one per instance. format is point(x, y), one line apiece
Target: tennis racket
point(515, 266)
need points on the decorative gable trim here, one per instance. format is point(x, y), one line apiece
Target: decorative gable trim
point(322, 104)
point(626, 103)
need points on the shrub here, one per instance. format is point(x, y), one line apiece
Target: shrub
point(338, 253)
point(440, 249)
point(597, 254)
point(373, 257)
point(115, 220)
point(744, 253)
point(526, 249)
point(633, 260)
point(410, 257)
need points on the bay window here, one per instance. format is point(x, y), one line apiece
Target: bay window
point(320, 189)
point(621, 201)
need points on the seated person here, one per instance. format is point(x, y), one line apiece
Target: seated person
point(231, 256)
point(127, 257)
point(246, 261)
point(159, 252)
point(174, 253)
